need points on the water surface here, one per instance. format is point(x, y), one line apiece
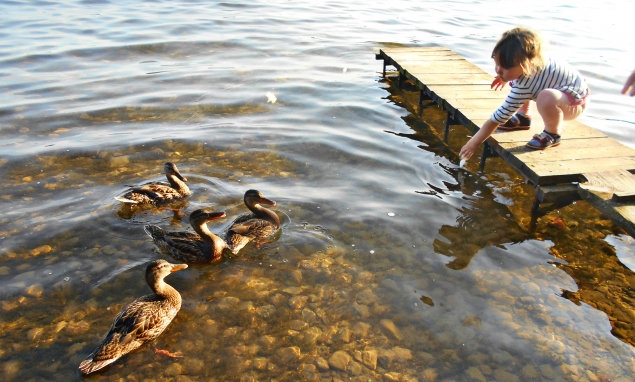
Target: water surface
point(392, 262)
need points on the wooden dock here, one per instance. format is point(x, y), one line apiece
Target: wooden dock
point(587, 165)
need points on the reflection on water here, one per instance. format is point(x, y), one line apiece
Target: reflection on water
point(393, 263)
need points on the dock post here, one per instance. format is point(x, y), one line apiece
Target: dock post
point(535, 209)
point(448, 121)
point(487, 152)
point(384, 68)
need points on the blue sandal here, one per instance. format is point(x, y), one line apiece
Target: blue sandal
point(516, 122)
point(543, 140)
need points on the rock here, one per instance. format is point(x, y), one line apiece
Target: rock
point(298, 325)
point(390, 329)
point(193, 365)
point(476, 375)
point(109, 249)
point(34, 334)
point(288, 354)
point(311, 335)
point(386, 357)
point(504, 376)
point(363, 310)
point(391, 285)
point(266, 311)
point(344, 335)
point(35, 290)
point(369, 358)
point(297, 275)
point(360, 329)
point(547, 371)
point(266, 342)
point(430, 375)
point(531, 373)
point(310, 373)
point(260, 363)
point(591, 376)
point(339, 360)
point(294, 291)
point(322, 364)
point(354, 368)
point(308, 316)
point(173, 370)
point(366, 297)
point(402, 355)
point(392, 377)
point(298, 302)
point(41, 250)
point(228, 302)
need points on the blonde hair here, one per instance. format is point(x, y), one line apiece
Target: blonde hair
point(522, 47)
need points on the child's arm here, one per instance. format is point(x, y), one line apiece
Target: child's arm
point(630, 83)
point(470, 147)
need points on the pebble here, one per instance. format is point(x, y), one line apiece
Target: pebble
point(322, 364)
point(391, 329)
point(339, 360)
point(369, 358)
point(288, 354)
point(298, 302)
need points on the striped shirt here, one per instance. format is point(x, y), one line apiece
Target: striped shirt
point(557, 75)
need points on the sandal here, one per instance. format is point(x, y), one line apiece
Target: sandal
point(516, 122)
point(543, 140)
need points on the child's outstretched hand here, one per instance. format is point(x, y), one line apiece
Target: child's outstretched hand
point(498, 83)
point(630, 83)
point(468, 150)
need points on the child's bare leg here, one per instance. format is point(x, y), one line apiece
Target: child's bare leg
point(554, 107)
point(525, 109)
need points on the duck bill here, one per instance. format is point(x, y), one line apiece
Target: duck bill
point(178, 175)
point(267, 202)
point(178, 267)
point(216, 215)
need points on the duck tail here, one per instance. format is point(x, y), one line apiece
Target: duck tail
point(156, 233)
point(88, 365)
point(125, 200)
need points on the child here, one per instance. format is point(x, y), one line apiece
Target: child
point(559, 90)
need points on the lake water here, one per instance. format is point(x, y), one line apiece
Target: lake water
point(392, 262)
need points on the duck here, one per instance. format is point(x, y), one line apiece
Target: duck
point(158, 192)
point(260, 223)
point(141, 321)
point(199, 247)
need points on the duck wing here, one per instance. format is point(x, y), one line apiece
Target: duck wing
point(142, 320)
point(253, 228)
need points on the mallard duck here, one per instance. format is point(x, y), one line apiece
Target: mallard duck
point(158, 192)
point(261, 223)
point(199, 247)
point(142, 320)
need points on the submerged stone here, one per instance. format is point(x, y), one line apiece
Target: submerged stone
point(339, 360)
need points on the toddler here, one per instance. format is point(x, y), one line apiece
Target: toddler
point(559, 90)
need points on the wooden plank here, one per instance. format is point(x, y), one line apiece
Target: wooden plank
point(432, 79)
point(422, 49)
point(442, 67)
point(620, 183)
point(579, 167)
point(453, 93)
point(573, 149)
